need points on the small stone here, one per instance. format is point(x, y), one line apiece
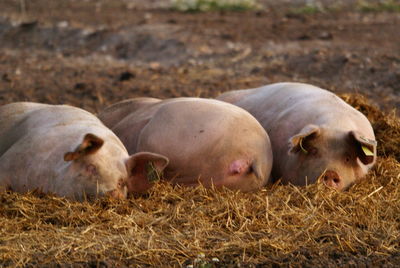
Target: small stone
point(62, 24)
point(215, 259)
point(155, 66)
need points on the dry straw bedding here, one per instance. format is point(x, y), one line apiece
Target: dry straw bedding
point(174, 226)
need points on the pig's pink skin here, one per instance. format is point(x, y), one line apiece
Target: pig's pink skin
point(35, 140)
point(289, 109)
point(206, 141)
point(116, 112)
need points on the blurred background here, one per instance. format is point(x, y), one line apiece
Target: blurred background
point(92, 53)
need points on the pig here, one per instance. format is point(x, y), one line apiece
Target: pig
point(314, 134)
point(67, 151)
point(206, 141)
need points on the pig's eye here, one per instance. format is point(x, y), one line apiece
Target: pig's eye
point(250, 170)
point(91, 169)
point(121, 183)
point(313, 151)
point(347, 158)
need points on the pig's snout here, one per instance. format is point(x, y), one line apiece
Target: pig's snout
point(117, 194)
point(332, 179)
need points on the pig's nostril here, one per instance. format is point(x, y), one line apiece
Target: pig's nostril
point(332, 179)
point(116, 194)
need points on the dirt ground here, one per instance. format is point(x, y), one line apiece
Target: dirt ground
point(94, 53)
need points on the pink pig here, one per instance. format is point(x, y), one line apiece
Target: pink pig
point(206, 141)
point(313, 133)
point(69, 152)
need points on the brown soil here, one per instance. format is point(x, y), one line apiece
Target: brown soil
point(94, 53)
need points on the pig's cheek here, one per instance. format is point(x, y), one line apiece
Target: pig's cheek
point(292, 167)
point(138, 186)
point(122, 186)
point(298, 163)
point(313, 152)
point(360, 170)
point(308, 171)
point(89, 177)
point(92, 174)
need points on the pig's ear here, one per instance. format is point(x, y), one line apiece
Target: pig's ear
point(90, 144)
point(365, 148)
point(144, 170)
point(301, 142)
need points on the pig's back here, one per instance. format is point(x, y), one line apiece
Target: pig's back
point(46, 124)
point(13, 113)
point(114, 114)
point(290, 106)
point(187, 125)
point(127, 119)
point(34, 115)
point(11, 116)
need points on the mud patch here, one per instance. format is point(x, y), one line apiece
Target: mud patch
point(138, 45)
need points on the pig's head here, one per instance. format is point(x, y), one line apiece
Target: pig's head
point(340, 158)
point(145, 169)
point(102, 167)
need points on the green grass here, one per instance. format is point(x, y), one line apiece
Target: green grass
point(214, 5)
point(309, 9)
point(363, 6)
point(306, 10)
point(384, 6)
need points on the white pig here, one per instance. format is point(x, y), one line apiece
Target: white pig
point(206, 141)
point(67, 151)
point(313, 133)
